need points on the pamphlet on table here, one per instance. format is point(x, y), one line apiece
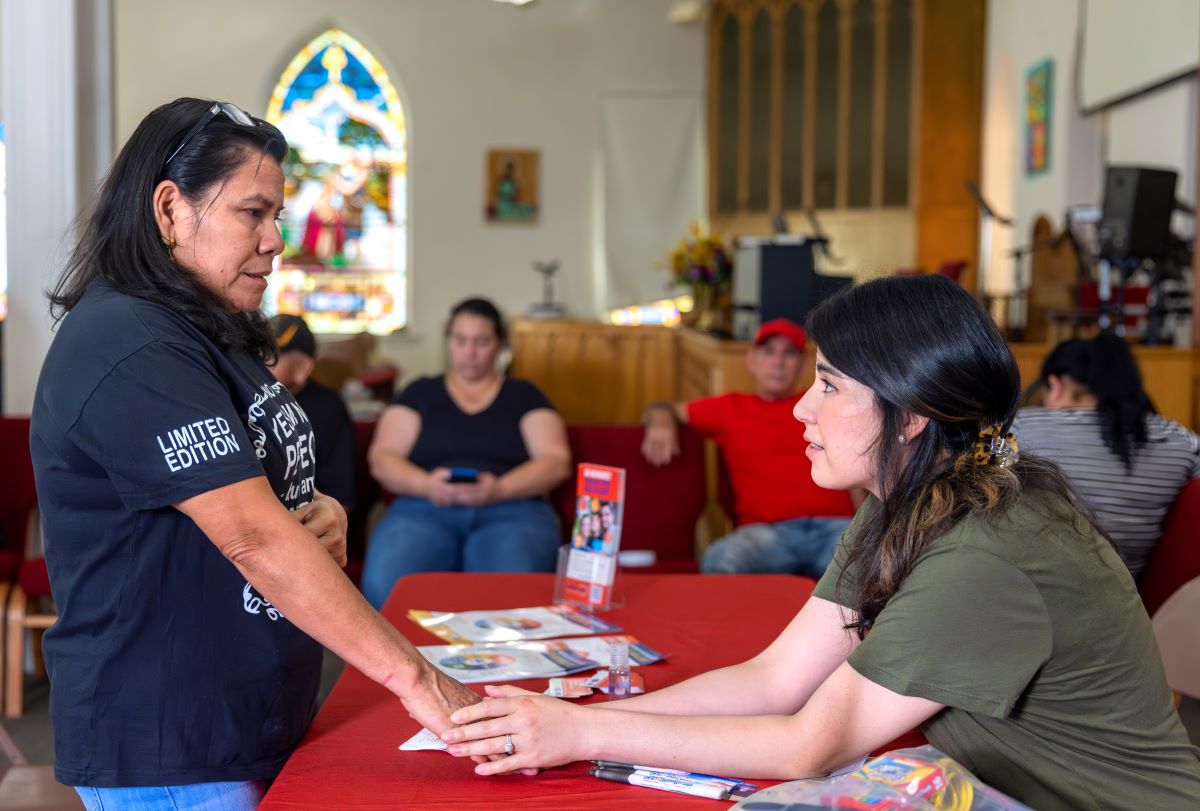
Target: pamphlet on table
point(510, 625)
point(583, 686)
point(531, 659)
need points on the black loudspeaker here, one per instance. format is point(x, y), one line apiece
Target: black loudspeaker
point(1138, 202)
point(777, 280)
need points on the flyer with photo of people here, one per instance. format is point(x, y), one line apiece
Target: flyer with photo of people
point(587, 569)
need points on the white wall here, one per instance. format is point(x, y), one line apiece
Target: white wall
point(473, 74)
point(1021, 33)
point(1156, 129)
point(1159, 129)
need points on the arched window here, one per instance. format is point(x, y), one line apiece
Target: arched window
point(344, 265)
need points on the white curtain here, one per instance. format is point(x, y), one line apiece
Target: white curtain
point(651, 186)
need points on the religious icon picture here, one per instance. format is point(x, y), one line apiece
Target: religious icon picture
point(1039, 83)
point(512, 185)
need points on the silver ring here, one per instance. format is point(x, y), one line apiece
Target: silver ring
point(508, 747)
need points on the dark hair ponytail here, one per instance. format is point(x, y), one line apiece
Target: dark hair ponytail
point(1105, 366)
point(120, 241)
point(926, 348)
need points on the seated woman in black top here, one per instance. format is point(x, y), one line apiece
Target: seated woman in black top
point(440, 430)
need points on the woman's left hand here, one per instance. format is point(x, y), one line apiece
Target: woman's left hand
point(544, 731)
point(325, 518)
point(484, 491)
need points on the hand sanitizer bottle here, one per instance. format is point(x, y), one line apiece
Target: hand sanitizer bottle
point(618, 671)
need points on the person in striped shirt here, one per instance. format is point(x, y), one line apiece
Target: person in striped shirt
point(1125, 461)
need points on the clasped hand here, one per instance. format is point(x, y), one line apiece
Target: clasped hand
point(325, 518)
point(545, 731)
point(480, 493)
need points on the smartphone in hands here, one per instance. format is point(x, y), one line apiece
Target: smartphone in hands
point(463, 475)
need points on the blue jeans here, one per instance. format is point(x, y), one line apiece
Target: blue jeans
point(240, 796)
point(416, 536)
point(800, 546)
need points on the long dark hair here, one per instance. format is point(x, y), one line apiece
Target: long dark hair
point(120, 241)
point(924, 347)
point(1105, 366)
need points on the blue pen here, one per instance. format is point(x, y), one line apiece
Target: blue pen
point(732, 781)
point(666, 782)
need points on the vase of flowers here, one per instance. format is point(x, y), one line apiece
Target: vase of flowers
point(702, 263)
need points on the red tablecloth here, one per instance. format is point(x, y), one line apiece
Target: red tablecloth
point(350, 760)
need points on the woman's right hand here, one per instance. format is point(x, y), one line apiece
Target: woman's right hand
point(544, 731)
point(439, 490)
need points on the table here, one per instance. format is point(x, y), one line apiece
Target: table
point(349, 758)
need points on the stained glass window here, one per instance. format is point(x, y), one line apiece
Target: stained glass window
point(345, 260)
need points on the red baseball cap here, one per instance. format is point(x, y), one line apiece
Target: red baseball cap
point(781, 326)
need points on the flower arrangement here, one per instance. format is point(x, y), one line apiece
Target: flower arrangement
point(703, 263)
point(700, 259)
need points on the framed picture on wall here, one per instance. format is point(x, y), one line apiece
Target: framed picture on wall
point(1039, 84)
point(511, 194)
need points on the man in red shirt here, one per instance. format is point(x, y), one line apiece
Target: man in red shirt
point(786, 523)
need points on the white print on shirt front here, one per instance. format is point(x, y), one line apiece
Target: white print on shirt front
point(196, 442)
point(256, 412)
point(254, 603)
point(275, 415)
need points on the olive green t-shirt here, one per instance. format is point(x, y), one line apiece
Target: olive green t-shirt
point(1029, 629)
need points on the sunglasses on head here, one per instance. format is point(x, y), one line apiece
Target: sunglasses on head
point(234, 113)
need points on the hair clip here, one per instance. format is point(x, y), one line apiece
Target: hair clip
point(994, 446)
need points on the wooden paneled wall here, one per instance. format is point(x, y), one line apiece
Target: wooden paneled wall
point(596, 373)
point(949, 133)
point(1170, 376)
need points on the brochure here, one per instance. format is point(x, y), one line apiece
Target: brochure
point(510, 625)
point(512, 661)
point(582, 686)
point(586, 570)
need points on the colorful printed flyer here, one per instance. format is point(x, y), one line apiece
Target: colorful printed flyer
point(582, 686)
point(586, 570)
point(512, 661)
point(511, 624)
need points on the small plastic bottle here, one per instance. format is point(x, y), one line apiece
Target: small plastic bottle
point(618, 671)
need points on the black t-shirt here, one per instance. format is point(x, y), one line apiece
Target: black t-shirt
point(333, 431)
point(166, 666)
point(488, 441)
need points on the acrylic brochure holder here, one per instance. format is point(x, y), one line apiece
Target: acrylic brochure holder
point(587, 575)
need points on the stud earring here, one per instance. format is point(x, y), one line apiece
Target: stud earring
point(902, 439)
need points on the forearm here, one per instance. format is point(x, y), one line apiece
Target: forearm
point(665, 414)
point(537, 477)
point(779, 680)
point(398, 475)
point(766, 746)
point(741, 689)
point(292, 571)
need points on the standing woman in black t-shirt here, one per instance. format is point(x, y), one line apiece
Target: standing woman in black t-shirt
point(503, 439)
point(194, 565)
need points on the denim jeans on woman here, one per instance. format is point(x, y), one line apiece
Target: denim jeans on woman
point(417, 536)
point(800, 546)
point(240, 796)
